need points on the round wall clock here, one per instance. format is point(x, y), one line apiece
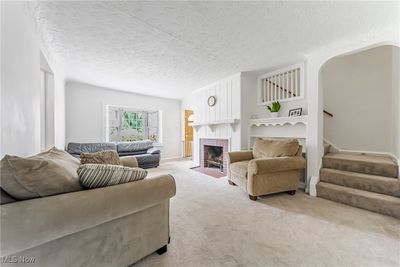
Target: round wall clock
point(211, 101)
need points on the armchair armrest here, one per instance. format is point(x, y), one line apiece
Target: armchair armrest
point(239, 156)
point(267, 165)
point(29, 223)
point(153, 150)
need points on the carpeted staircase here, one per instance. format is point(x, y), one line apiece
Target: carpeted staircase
point(363, 181)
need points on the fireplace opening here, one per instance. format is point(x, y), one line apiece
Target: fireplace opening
point(213, 157)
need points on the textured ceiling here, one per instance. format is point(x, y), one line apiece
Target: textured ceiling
point(170, 48)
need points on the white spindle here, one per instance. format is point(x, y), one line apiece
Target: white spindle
point(278, 90)
point(287, 84)
point(264, 85)
point(269, 89)
point(296, 83)
point(271, 80)
point(282, 85)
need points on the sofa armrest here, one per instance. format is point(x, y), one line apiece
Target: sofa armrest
point(259, 166)
point(129, 161)
point(29, 223)
point(239, 156)
point(153, 150)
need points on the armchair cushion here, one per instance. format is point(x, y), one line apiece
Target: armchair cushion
point(240, 168)
point(239, 156)
point(269, 148)
point(268, 165)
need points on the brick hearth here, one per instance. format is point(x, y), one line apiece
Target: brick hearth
point(224, 143)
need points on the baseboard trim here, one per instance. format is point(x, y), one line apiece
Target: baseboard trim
point(302, 185)
point(172, 158)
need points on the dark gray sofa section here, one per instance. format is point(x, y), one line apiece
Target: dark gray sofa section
point(144, 151)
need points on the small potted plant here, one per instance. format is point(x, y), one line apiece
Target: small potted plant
point(274, 109)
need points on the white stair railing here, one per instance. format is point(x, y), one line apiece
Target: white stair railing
point(281, 85)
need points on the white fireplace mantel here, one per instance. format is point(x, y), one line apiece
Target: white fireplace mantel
point(212, 124)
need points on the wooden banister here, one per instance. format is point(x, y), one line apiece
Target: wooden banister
point(280, 87)
point(328, 113)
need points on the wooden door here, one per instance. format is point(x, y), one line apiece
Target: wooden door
point(188, 142)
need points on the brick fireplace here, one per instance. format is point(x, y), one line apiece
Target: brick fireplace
point(213, 153)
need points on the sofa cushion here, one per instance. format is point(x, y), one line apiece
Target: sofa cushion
point(102, 157)
point(239, 168)
point(5, 198)
point(153, 150)
point(129, 147)
point(148, 160)
point(129, 161)
point(270, 148)
point(132, 153)
point(49, 173)
point(100, 175)
point(78, 148)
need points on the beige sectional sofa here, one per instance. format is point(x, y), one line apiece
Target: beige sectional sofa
point(110, 226)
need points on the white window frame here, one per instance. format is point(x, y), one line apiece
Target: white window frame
point(107, 131)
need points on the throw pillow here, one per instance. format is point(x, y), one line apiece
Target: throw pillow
point(101, 175)
point(129, 161)
point(270, 148)
point(102, 157)
point(49, 173)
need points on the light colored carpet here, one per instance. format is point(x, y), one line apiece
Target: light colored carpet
point(215, 224)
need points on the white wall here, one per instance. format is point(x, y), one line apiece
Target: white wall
point(396, 100)
point(59, 111)
point(85, 114)
point(358, 92)
point(248, 105)
point(228, 106)
point(20, 82)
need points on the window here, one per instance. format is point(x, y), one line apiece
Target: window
point(127, 124)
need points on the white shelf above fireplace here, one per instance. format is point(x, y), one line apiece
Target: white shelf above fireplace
point(283, 127)
point(279, 121)
point(212, 124)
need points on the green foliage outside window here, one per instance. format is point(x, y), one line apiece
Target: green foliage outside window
point(132, 120)
point(133, 125)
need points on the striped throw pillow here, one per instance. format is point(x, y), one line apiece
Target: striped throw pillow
point(101, 175)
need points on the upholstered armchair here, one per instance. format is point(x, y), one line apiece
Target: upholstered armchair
point(273, 166)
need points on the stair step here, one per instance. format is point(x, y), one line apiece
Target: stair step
point(375, 202)
point(327, 147)
point(367, 182)
point(368, 164)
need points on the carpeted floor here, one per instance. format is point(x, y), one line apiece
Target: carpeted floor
point(215, 224)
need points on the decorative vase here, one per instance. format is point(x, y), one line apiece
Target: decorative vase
point(274, 114)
